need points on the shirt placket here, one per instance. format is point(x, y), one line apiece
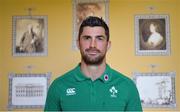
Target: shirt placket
point(93, 93)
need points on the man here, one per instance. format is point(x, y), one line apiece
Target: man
point(32, 40)
point(27, 40)
point(93, 85)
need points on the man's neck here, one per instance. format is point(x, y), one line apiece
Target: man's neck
point(93, 71)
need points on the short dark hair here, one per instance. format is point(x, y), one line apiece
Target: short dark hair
point(94, 21)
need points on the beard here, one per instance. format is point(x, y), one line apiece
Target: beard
point(93, 60)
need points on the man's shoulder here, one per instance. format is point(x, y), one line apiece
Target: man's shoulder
point(121, 77)
point(66, 76)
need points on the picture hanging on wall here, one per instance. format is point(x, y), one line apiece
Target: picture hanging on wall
point(85, 8)
point(30, 36)
point(28, 90)
point(157, 90)
point(152, 35)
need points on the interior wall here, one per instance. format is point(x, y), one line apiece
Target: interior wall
point(62, 58)
point(1, 53)
point(122, 55)
point(178, 22)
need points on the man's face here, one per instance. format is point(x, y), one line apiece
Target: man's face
point(93, 45)
point(36, 28)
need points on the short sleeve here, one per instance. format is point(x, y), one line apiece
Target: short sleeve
point(134, 103)
point(53, 98)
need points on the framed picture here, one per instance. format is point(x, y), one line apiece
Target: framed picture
point(84, 8)
point(30, 35)
point(152, 35)
point(156, 89)
point(28, 90)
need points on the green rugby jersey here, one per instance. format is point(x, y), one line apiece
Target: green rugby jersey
point(75, 92)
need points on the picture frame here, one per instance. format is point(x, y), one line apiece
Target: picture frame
point(84, 8)
point(152, 35)
point(157, 90)
point(28, 90)
point(30, 35)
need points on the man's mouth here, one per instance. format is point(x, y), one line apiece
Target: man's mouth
point(92, 51)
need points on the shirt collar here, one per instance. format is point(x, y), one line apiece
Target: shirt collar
point(78, 73)
point(105, 77)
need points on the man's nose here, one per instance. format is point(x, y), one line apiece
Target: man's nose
point(93, 43)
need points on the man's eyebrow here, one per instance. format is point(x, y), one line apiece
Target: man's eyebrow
point(101, 36)
point(86, 36)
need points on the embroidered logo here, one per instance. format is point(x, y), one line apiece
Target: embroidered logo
point(70, 91)
point(106, 78)
point(113, 91)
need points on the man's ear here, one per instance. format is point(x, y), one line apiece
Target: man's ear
point(77, 43)
point(109, 45)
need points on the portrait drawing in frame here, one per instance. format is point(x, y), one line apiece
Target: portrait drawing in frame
point(157, 90)
point(28, 90)
point(84, 8)
point(152, 35)
point(30, 35)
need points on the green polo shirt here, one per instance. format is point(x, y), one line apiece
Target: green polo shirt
point(75, 92)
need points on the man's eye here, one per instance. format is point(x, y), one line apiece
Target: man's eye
point(86, 38)
point(100, 38)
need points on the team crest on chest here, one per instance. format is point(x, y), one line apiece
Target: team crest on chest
point(113, 92)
